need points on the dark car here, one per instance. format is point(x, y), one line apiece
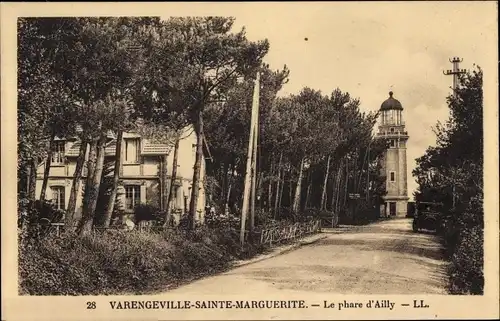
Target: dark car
point(428, 216)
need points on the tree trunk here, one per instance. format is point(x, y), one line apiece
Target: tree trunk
point(224, 178)
point(325, 182)
point(116, 178)
point(164, 184)
point(32, 179)
point(75, 187)
point(282, 189)
point(296, 201)
point(355, 173)
point(87, 220)
point(260, 178)
point(353, 206)
point(46, 171)
point(226, 205)
point(334, 191)
point(270, 184)
point(278, 186)
point(195, 190)
point(337, 188)
point(308, 193)
point(346, 182)
point(368, 177)
point(23, 185)
point(229, 186)
point(91, 162)
point(173, 177)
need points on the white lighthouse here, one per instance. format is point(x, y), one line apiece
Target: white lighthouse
point(392, 128)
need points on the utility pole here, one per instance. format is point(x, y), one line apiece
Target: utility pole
point(248, 173)
point(455, 71)
point(254, 160)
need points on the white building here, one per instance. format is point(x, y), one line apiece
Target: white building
point(145, 174)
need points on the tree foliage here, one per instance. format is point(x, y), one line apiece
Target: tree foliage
point(103, 75)
point(452, 173)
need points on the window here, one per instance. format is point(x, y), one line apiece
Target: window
point(131, 151)
point(393, 176)
point(58, 152)
point(392, 130)
point(132, 196)
point(194, 150)
point(392, 208)
point(393, 143)
point(58, 197)
point(390, 117)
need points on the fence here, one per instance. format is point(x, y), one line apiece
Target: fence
point(52, 228)
point(279, 234)
point(266, 236)
point(331, 221)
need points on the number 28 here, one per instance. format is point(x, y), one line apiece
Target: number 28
point(91, 305)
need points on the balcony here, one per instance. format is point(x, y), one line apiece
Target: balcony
point(389, 122)
point(393, 134)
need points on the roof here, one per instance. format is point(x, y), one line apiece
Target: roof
point(391, 103)
point(74, 150)
point(148, 148)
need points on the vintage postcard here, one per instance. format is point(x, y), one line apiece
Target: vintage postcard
point(250, 161)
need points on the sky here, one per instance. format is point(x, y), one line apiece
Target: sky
point(364, 48)
point(369, 49)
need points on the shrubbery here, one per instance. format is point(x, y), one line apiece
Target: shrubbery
point(466, 271)
point(38, 212)
point(464, 239)
point(119, 262)
point(220, 219)
point(147, 212)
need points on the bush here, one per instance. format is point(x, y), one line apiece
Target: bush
point(147, 212)
point(42, 211)
point(34, 218)
point(121, 262)
point(463, 238)
point(466, 271)
point(264, 218)
point(222, 220)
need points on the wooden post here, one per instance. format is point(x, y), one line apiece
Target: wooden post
point(254, 165)
point(246, 192)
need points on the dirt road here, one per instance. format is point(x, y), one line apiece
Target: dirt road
point(381, 258)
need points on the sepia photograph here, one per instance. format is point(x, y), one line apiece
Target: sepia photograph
point(323, 151)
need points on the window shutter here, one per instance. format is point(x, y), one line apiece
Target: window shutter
point(179, 199)
point(143, 194)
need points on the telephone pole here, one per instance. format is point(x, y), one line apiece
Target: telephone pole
point(250, 156)
point(253, 187)
point(455, 71)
